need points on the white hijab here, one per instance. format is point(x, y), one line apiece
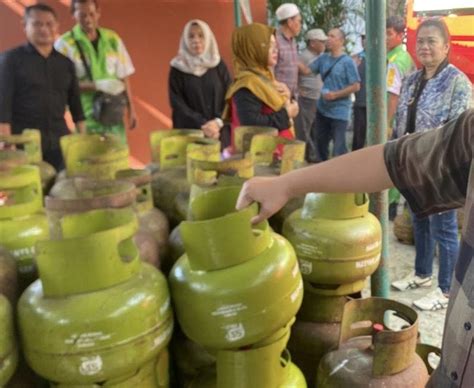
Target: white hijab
point(197, 64)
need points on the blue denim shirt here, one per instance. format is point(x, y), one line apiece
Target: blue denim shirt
point(444, 98)
point(342, 75)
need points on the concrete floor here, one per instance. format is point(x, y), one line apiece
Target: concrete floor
point(401, 263)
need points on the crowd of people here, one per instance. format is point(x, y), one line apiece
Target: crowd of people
point(307, 95)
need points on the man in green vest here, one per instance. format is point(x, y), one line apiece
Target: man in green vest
point(399, 65)
point(104, 66)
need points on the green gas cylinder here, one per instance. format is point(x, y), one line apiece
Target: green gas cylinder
point(171, 180)
point(22, 220)
point(337, 241)
point(12, 158)
point(370, 352)
point(8, 276)
point(236, 285)
point(93, 155)
point(97, 314)
point(154, 374)
point(30, 142)
point(8, 346)
point(272, 156)
point(155, 143)
point(244, 134)
point(267, 366)
point(75, 195)
point(153, 231)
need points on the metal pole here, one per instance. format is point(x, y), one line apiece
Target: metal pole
point(238, 19)
point(377, 124)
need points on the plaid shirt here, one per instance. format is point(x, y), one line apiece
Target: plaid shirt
point(435, 172)
point(286, 69)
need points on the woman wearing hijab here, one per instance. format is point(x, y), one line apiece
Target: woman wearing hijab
point(255, 97)
point(198, 81)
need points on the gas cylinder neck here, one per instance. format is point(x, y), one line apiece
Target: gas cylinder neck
point(335, 206)
point(219, 237)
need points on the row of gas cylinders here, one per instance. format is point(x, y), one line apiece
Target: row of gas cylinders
point(99, 315)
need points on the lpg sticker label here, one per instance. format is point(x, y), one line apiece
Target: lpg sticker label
point(294, 295)
point(235, 332)
point(87, 340)
point(309, 250)
point(306, 267)
point(367, 262)
point(22, 252)
point(229, 310)
point(163, 336)
point(372, 246)
point(90, 365)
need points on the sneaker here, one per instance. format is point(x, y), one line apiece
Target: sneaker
point(412, 281)
point(435, 300)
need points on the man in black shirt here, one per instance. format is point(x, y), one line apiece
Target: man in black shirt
point(37, 83)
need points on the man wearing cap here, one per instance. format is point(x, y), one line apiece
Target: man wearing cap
point(286, 69)
point(309, 90)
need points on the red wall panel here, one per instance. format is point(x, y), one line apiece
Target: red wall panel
point(151, 30)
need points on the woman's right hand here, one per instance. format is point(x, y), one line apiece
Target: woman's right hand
point(292, 108)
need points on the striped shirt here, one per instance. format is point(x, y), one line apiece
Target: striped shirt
point(286, 69)
point(435, 172)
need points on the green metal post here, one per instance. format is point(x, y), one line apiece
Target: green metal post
point(238, 19)
point(377, 124)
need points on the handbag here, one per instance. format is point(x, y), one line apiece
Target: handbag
point(107, 109)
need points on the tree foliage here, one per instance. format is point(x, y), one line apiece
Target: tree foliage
point(325, 14)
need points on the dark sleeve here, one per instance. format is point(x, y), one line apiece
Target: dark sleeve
point(7, 86)
point(249, 110)
point(224, 75)
point(74, 96)
point(178, 103)
point(431, 169)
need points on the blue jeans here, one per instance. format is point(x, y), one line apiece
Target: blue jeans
point(443, 229)
point(328, 129)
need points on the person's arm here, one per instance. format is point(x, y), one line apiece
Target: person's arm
point(351, 77)
point(7, 87)
point(81, 127)
point(74, 101)
point(461, 97)
point(431, 170)
point(249, 111)
point(312, 68)
point(212, 127)
point(335, 95)
point(335, 175)
point(5, 129)
point(132, 116)
point(392, 104)
point(177, 92)
point(394, 86)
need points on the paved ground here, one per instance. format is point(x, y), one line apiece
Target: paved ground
point(402, 259)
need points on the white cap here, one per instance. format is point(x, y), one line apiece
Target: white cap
point(286, 11)
point(316, 34)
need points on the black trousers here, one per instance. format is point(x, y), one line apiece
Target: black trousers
point(54, 157)
point(359, 127)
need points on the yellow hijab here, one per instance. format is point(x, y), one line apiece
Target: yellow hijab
point(250, 45)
